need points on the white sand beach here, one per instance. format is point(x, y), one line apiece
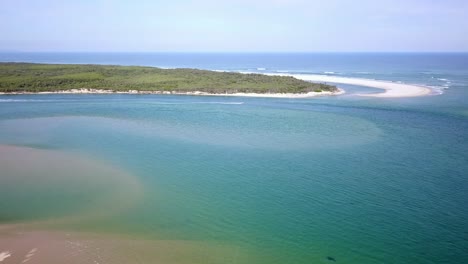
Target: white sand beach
point(107, 91)
point(392, 89)
point(279, 95)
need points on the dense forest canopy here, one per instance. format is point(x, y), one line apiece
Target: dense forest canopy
point(30, 77)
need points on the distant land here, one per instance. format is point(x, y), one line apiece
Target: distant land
point(36, 78)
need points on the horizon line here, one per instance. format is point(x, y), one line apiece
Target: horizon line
point(227, 52)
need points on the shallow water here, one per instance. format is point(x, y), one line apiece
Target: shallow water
point(281, 180)
point(49, 187)
point(245, 180)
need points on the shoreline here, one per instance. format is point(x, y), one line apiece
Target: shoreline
point(102, 79)
point(391, 89)
point(195, 93)
point(22, 244)
point(317, 84)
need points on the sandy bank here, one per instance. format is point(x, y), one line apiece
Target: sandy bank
point(19, 245)
point(199, 93)
point(281, 95)
point(392, 89)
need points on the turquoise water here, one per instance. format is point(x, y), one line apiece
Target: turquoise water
point(361, 180)
point(364, 181)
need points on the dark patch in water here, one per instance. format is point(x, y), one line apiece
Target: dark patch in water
point(331, 258)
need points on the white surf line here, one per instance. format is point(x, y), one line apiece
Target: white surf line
point(4, 255)
point(392, 89)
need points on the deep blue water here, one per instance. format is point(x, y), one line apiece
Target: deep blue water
point(364, 180)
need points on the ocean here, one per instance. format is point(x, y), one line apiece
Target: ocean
point(339, 179)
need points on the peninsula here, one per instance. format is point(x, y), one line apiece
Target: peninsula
point(78, 78)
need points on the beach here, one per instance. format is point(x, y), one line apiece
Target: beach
point(392, 89)
point(196, 93)
point(105, 79)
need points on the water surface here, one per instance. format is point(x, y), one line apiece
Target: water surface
point(360, 180)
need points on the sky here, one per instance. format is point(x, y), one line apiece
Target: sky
point(234, 26)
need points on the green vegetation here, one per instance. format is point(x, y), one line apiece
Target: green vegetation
point(29, 77)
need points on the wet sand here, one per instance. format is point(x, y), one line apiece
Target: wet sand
point(49, 247)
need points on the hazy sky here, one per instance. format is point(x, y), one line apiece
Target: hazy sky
point(235, 25)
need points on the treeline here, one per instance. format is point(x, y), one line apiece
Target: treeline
point(30, 77)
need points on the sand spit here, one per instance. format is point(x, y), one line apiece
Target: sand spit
point(392, 89)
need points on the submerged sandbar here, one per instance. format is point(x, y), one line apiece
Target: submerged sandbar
point(53, 187)
point(54, 198)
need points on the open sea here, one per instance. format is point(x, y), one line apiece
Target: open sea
point(340, 179)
